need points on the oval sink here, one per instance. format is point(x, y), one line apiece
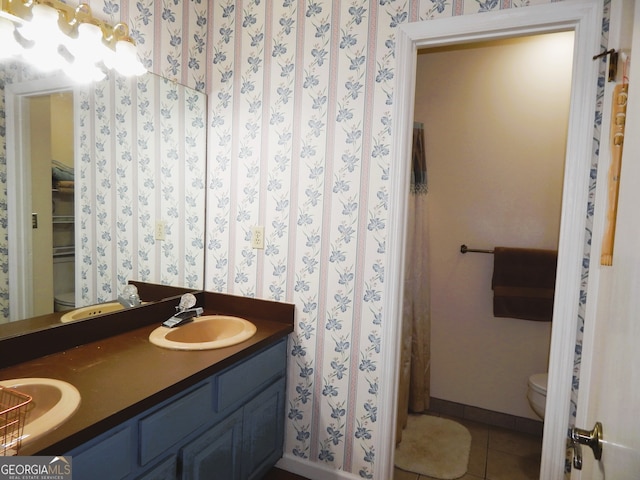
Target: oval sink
point(90, 311)
point(53, 402)
point(204, 333)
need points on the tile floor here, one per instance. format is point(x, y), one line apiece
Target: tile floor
point(496, 454)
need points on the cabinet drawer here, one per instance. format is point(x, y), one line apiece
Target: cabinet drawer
point(237, 383)
point(112, 457)
point(167, 426)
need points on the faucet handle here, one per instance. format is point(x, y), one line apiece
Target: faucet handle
point(130, 290)
point(187, 301)
point(129, 296)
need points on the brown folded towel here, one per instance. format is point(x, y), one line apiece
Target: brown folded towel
point(524, 283)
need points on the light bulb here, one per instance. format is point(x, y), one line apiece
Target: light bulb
point(87, 51)
point(125, 60)
point(43, 25)
point(89, 38)
point(88, 45)
point(43, 31)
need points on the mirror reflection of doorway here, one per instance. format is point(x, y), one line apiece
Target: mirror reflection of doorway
point(40, 200)
point(52, 193)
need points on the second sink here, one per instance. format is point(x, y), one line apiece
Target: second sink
point(53, 402)
point(204, 333)
point(90, 311)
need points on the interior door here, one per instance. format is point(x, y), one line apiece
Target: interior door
point(610, 381)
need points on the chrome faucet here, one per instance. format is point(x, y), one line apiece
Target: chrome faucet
point(185, 312)
point(129, 296)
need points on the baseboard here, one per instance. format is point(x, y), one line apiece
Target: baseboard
point(489, 417)
point(318, 471)
point(311, 470)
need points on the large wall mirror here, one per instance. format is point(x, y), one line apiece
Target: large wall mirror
point(104, 183)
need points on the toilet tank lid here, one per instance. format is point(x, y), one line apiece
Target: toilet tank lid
point(538, 382)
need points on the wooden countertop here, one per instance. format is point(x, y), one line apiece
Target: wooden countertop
point(122, 375)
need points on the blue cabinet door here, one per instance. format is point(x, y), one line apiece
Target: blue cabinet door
point(110, 457)
point(263, 431)
point(165, 470)
point(216, 454)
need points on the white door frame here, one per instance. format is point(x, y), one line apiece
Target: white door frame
point(624, 36)
point(19, 188)
point(584, 18)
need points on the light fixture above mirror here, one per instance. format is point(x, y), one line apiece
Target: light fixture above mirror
point(52, 35)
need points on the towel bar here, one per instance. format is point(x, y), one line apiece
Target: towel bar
point(465, 249)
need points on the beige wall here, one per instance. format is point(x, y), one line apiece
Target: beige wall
point(62, 127)
point(495, 121)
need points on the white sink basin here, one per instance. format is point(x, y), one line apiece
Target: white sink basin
point(90, 311)
point(53, 402)
point(204, 333)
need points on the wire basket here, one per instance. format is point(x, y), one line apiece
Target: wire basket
point(13, 410)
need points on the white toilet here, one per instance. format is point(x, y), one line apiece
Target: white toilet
point(537, 392)
point(64, 301)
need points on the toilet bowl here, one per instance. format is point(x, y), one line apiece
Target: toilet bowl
point(537, 392)
point(64, 301)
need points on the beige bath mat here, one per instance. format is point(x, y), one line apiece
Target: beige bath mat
point(434, 446)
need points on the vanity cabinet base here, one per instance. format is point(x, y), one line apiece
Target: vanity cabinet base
point(198, 434)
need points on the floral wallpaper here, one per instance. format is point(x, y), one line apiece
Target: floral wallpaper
point(300, 98)
point(142, 150)
point(142, 156)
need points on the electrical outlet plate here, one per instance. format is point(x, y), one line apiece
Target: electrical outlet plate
point(160, 230)
point(257, 237)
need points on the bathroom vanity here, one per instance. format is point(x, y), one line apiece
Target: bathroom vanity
point(151, 412)
point(229, 426)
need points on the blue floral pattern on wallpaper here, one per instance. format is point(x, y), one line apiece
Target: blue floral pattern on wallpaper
point(300, 96)
point(142, 159)
point(142, 150)
point(4, 221)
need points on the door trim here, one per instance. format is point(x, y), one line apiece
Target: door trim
point(19, 189)
point(623, 37)
point(584, 18)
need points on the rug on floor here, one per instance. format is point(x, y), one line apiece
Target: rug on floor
point(434, 446)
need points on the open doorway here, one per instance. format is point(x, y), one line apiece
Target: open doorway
point(495, 117)
point(585, 20)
